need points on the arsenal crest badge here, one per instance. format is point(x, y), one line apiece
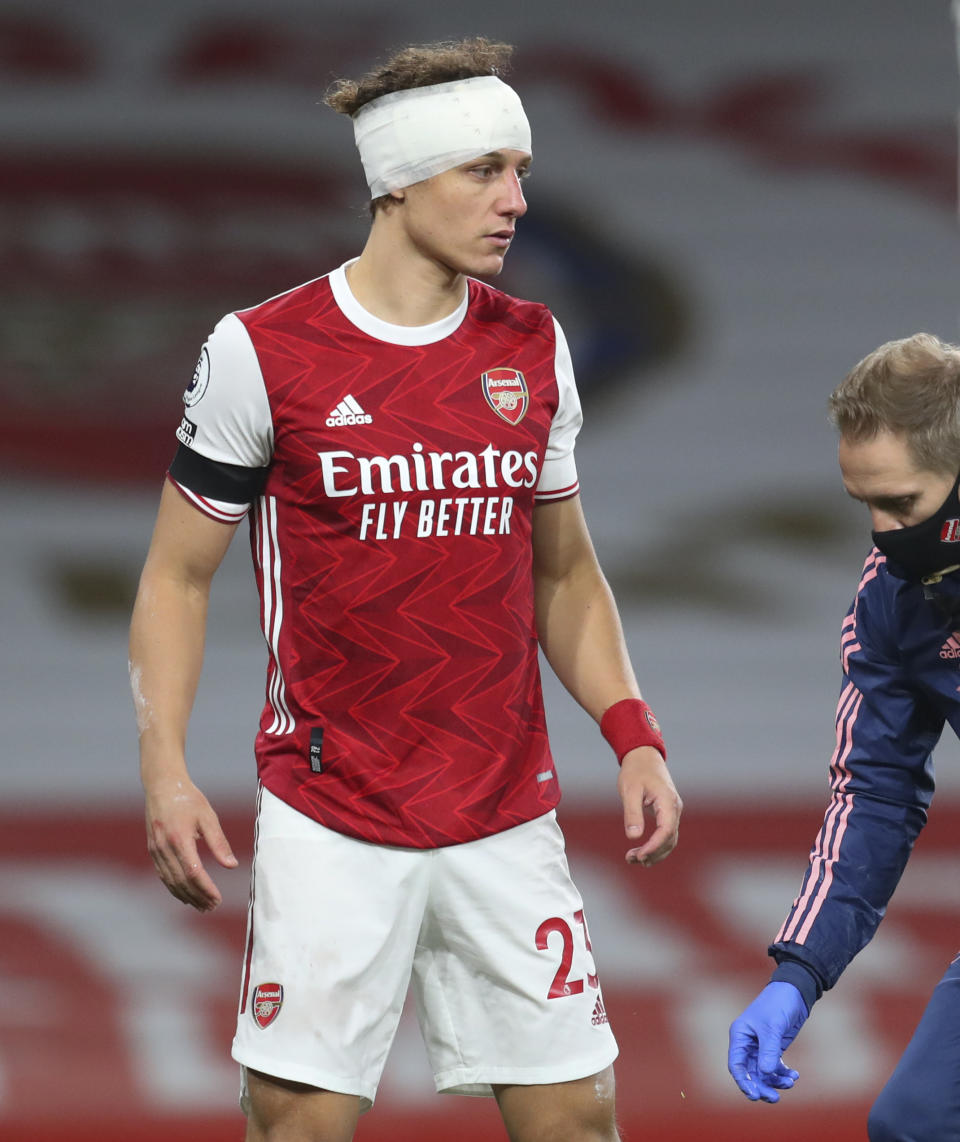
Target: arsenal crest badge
point(267, 1001)
point(506, 393)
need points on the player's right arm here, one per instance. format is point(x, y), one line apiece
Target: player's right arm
point(166, 654)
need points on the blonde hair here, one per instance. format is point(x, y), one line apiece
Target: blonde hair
point(911, 388)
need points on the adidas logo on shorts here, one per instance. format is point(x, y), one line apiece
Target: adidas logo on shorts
point(348, 411)
point(599, 1013)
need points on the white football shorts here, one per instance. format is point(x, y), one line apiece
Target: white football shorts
point(491, 934)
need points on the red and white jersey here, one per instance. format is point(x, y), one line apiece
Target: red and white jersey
point(392, 473)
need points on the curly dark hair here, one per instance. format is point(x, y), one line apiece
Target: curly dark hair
point(421, 65)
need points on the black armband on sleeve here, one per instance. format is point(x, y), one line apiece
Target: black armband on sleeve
point(231, 483)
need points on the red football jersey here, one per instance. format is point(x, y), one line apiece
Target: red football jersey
point(397, 470)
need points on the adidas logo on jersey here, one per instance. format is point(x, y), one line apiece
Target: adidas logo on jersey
point(599, 1013)
point(348, 411)
point(951, 648)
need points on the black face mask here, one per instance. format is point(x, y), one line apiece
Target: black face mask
point(925, 548)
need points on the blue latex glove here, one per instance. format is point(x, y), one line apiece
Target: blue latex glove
point(760, 1035)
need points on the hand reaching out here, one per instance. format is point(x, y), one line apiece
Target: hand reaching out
point(760, 1035)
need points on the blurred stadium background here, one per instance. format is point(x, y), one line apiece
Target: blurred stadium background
point(732, 204)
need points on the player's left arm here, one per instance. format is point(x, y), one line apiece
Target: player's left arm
point(580, 632)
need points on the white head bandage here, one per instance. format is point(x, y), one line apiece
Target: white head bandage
point(410, 135)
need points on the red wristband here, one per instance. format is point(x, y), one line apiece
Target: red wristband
point(630, 724)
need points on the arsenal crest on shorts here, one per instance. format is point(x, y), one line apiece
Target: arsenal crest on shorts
point(506, 393)
point(267, 1001)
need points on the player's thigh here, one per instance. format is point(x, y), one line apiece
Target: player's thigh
point(506, 983)
point(582, 1110)
point(283, 1111)
point(333, 927)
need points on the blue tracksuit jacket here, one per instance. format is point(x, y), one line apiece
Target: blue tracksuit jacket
point(900, 649)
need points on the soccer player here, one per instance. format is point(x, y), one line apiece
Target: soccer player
point(898, 417)
point(402, 436)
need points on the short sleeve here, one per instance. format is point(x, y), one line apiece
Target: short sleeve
point(226, 434)
point(558, 477)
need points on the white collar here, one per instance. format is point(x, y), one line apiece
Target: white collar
point(373, 326)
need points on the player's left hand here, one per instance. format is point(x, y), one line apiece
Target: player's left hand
point(648, 793)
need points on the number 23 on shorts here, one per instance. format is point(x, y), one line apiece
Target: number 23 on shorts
point(562, 984)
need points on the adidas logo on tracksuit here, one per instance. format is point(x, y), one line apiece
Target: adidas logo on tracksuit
point(599, 1013)
point(951, 648)
point(348, 411)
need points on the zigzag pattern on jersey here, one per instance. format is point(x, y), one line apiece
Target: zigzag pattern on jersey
point(416, 655)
